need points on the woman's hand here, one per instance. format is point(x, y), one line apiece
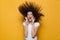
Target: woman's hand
point(33, 19)
point(27, 22)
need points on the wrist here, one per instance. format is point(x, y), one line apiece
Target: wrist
point(26, 23)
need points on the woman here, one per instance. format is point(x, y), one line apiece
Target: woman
point(31, 17)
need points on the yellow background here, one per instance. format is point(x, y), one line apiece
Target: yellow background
point(11, 27)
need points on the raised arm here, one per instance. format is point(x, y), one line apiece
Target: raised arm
point(35, 29)
point(25, 27)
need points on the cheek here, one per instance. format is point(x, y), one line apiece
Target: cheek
point(28, 16)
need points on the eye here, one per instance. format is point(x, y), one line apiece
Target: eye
point(31, 14)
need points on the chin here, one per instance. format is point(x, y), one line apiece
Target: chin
point(29, 20)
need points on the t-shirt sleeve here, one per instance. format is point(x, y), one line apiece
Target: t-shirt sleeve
point(24, 24)
point(37, 24)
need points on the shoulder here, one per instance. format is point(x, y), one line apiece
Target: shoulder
point(36, 24)
point(24, 23)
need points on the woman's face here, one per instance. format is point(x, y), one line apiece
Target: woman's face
point(29, 16)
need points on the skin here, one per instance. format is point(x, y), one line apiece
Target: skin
point(30, 19)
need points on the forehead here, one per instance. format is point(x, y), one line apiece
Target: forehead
point(29, 12)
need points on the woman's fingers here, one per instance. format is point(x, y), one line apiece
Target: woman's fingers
point(33, 20)
point(26, 20)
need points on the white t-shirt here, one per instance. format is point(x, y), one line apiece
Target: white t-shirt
point(29, 37)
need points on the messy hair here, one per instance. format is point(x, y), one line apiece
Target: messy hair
point(26, 7)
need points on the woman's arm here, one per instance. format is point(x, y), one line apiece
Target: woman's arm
point(26, 27)
point(26, 31)
point(34, 31)
point(35, 28)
